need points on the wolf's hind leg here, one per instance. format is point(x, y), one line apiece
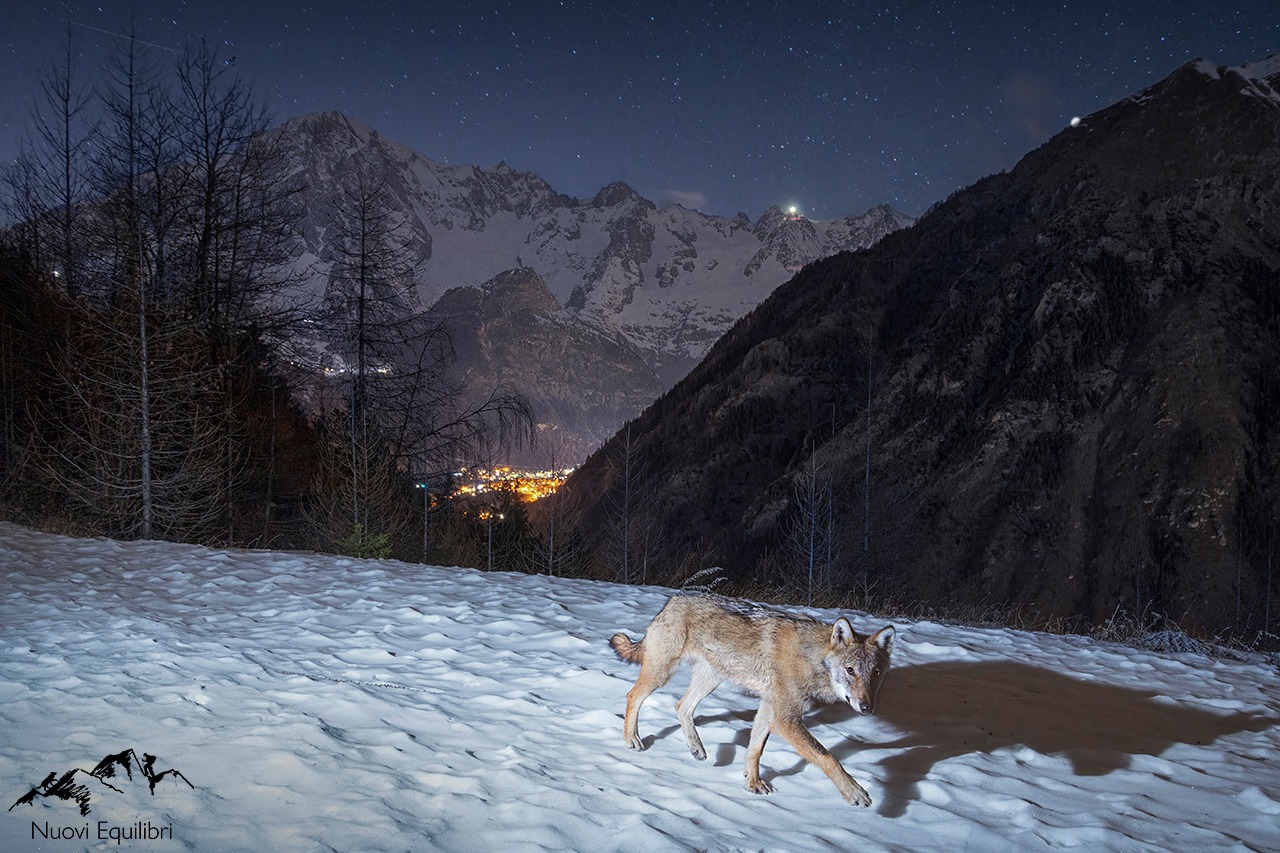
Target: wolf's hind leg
point(703, 682)
point(653, 674)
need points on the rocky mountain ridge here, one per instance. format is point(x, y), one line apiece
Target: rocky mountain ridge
point(582, 382)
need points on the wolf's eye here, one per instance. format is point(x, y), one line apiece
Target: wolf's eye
point(850, 670)
point(875, 673)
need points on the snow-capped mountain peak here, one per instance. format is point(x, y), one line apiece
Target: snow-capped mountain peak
point(666, 282)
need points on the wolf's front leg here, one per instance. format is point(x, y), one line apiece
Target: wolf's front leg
point(759, 734)
point(815, 753)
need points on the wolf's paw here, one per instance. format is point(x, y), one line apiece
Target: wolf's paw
point(698, 751)
point(635, 743)
point(759, 786)
point(857, 796)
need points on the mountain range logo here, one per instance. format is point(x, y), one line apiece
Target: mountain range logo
point(113, 773)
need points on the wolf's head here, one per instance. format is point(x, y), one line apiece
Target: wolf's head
point(857, 664)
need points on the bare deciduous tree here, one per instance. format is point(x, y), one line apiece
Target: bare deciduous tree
point(811, 533)
point(130, 444)
point(402, 401)
point(56, 157)
point(633, 545)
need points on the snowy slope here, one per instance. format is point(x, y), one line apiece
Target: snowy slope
point(317, 702)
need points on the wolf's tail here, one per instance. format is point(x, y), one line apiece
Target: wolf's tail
point(627, 650)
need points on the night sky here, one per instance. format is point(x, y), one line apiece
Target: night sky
point(723, 106)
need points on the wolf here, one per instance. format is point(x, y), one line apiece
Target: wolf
point(790, 662)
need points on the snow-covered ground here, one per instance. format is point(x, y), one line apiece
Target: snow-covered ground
point(319, 703)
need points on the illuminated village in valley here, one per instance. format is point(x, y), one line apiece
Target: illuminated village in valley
point(528, 486)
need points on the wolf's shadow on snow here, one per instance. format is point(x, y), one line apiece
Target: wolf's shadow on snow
point(948, 709)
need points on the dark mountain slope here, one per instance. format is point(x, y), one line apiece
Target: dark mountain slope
point(1073, 390)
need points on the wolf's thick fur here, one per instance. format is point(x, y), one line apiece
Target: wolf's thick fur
point(791, 663)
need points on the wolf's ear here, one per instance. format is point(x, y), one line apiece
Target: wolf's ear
point(883, 638)
point(842, 633)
